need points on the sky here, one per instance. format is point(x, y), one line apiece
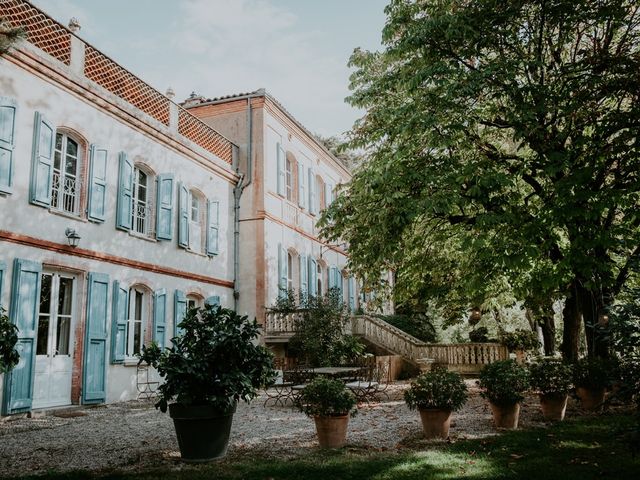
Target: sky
point(296, 49)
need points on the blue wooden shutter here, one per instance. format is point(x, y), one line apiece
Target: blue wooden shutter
point(283, 271)
point(42, 161)
point(302, 191)
point(160, 317)
point(281, 173)
point(213, 214)
point(303, 276)
point(125, 193)
point(119, 313)
point(183, 216)
point(212, 300)
point(94, 388)
point(8, 110)
point(313, 277)
point(164, 207)
point(96, 210)
point(25, 302)
point(312, 192)
point(3, 268)
point(352, 294)
point(179, 311)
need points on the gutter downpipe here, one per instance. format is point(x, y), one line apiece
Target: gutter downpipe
point(237, 194)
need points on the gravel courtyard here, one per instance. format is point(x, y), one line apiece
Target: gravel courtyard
point(134, 435)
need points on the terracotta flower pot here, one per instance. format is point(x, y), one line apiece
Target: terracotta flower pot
point(591, 398)
point(554, 405)
point(521, 356)
point(332, 431)
point(506, 416)
point(435, 422)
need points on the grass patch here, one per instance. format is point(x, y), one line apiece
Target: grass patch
point(585, 448)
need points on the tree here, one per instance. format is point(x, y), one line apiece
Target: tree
point(501, 137)
point(9, 36)
point(339, 148)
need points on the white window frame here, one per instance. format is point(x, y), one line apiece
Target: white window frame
point(197, 227)
point(142, 210)
point(319, 279)
point(62, 182)
point(289, 271)
point(288, 177)
point(131, 321)
point(194, 301)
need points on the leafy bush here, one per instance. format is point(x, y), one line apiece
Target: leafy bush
point(9, 356)
point(319, 339)
point(520, 340)
point(592, 373)
point(504, 382)
point(479, 335)
point(551, 376)
point(214, 362)
point(416, 324)
point(324, 397)
point(627, 379)
point(437, 389)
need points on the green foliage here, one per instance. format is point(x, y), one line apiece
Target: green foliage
point(479, 335)
point(520, 340)
point(215, 361)
point(319, 339)
point(502, 152)
point(9, 356)
point(417, 325)
point(593, 373)
point(551, 376)
point(624, 325)
point(325, 397)
point(439, 389)
point(9, 36)
point(627, 381)
point(285, 303)
point(504, 382)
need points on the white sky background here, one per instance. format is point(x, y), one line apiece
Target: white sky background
point(296, 49)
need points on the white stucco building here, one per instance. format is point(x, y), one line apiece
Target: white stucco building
point(289, 178)
point(89, 150)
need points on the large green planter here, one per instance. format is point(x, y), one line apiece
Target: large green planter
point(202, 431)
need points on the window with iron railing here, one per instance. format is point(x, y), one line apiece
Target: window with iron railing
point(65, 184)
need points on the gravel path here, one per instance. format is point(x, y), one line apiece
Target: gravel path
point(134, 435)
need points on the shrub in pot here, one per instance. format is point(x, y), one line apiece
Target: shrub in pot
point(212, 365)
point(9, 356)
point(504, 383)
point(330, 403)
point(520, 342)
point(552, 378)
point(591, 376)
point(436, 395)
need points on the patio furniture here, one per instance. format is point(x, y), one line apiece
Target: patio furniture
point(280, 391)
point(374, 380)
point(145, 383)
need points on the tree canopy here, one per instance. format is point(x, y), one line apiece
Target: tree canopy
point(502, 154)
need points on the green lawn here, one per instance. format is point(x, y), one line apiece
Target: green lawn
point(590, 447)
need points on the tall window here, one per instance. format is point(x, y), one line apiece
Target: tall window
point(289, 179)
point(289, 271)
point(141, 211)
point(135, 322)
point(65, 186)
point(319, 276)
point(196, 221)
point(54, 320)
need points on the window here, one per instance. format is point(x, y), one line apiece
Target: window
point(197, 209)
point(65, 184)
point(54, 319)
point(319, 276)
point(289, 271)
point(320, 193)
point(193, 301)
point(135, 321)
point(141, 210)
point(289, 179)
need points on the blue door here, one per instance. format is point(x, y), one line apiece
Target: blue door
point(94, 382)
point(25, 299)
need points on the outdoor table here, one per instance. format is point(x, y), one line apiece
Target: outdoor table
point(336, 371)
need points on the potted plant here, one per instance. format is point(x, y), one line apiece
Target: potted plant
point(520, 341)
point(504, 383)
point(552, 378)
point(591, 377)
point(212, 365)
point(330, 403)
point(436, 395)
point(9, 356)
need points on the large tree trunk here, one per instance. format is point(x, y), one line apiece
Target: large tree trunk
point(548, 325)
point(591, 307)
point(571, 332)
